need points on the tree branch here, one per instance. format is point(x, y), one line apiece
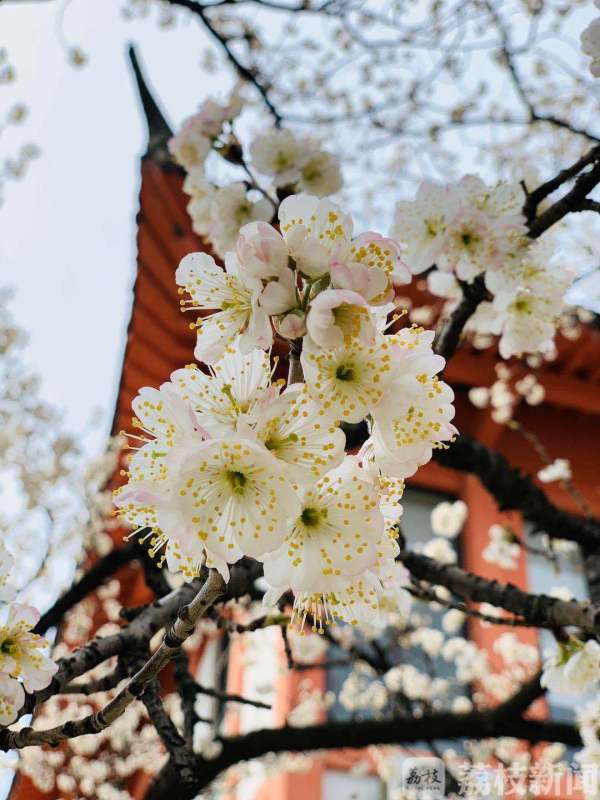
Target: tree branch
point(359, 734)
point(182, 756)
point(514, 490)
point(572, 201)
point(88, 583)
point(448, 336)
point(295, 373)
point(539, 609)
point(247, 74)
point(535, 197)
point(137, 633)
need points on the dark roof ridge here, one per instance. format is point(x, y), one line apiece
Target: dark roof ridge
point(159, 130)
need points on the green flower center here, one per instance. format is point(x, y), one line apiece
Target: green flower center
point(275, 442)
point(8, 647)
point(237, 481)
point(344, 372)
point(311, 516)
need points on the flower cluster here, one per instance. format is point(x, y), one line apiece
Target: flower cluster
point(464, 228)
point(468, 229)
point(298, 164)
point(194, 141)
point(290, 164)
point(23, 665)
point(233, 464)
point(315, 276)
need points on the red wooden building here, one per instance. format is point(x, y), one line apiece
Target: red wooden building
point(159, 341)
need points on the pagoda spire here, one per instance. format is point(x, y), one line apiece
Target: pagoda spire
point(159, 131)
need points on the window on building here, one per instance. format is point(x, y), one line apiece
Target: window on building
point(416, 529)
point(346, 786)
point(566, 571)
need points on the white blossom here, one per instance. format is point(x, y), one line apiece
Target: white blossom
point(333, 539)
point(237, 385)
point(415, 413)
point(12, 697)
point(292, 325)
point(300, 433)
point(235, 303)
point(421, 225)
point(453, 620)
point(228, 498)
point(166, 423)
point(320, 174)
point(502, 549)
point(525, 319)
point(20, 649)
point(261, 251)
point(7, 591)
point(316, 232)
point(440, 550)
point(479, 396)
point(372, 268)
point(281, 155)
point(204, 742)
point(212, 114)
point(281, 295)
point(190, 146)
point(558, 470)
point(338, 316)
point(447, 519)
point(573, 667)
point(462, 705)
point(231, 208)
point(350, 380)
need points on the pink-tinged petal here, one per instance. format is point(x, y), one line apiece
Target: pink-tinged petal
point(140, 494)
point(384, 253)
point(337, 315)
point(280, 296)
point(352, 276)
point(332, 298)
point(261, 250)
point(258, 334)
point(28, 616)
point(293, 325)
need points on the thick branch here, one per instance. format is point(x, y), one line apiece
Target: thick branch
point(522, 699)
point(475, 725)
point(539, 609)
point(180, 751)
point(535, 197)
point(572, 201)
point(513, 490)
point(448, 337)
point(88, 583)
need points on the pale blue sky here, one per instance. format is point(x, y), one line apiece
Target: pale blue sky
point(67, 230)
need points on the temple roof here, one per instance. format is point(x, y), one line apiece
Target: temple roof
point(159, 131)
